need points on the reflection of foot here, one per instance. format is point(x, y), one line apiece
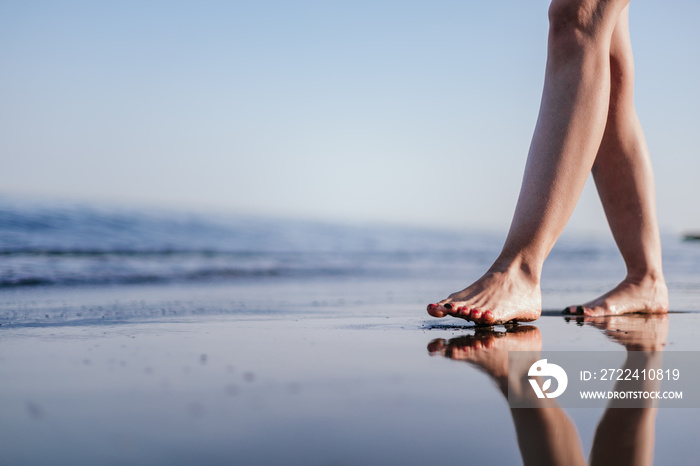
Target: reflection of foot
point(496, 298)
point(645, 296)
point(634, 332)
point(488, 350)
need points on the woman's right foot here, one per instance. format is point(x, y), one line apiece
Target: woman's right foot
point(498, 297)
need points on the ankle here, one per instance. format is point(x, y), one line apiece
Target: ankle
point(519, 266)
point(645, 277)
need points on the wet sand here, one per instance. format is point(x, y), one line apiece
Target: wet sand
point(308, 372)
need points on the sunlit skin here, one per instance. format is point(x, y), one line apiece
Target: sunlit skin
point(587, 122)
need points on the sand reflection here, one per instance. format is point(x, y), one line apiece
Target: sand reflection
point(546, 435)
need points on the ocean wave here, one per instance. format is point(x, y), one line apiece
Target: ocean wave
point(75, 279)
point(77, 252)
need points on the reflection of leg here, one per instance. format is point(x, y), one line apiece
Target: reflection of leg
point(625, 182)
point(545, 435)
point(626, 435)
point(567, 136)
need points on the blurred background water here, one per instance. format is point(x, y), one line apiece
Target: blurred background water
point(44, 244)
point(85, 245)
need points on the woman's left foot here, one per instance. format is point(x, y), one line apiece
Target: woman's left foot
point(646, 296)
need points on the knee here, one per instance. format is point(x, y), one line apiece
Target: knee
point(566, 16)
point(573, 23)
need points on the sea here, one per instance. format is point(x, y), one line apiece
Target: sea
point(52, 244)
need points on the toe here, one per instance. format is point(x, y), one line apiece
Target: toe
point(436, 310)
point(488, 317)
point(459, 311)
point(475, 314)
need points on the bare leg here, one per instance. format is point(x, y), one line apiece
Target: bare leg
point(569, 130)
point(625, 182)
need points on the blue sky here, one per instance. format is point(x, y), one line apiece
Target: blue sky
point(394, 111)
